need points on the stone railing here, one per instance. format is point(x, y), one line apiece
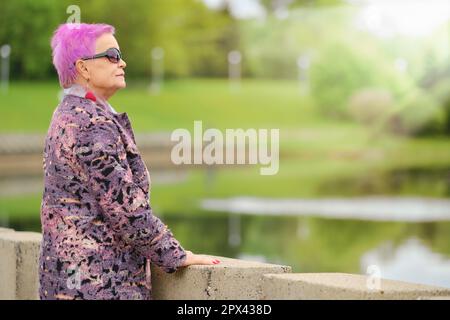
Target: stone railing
point(231, 279)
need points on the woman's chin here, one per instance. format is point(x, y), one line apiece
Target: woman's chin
point(121, 84)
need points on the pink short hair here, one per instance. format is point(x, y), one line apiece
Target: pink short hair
point(71, 42)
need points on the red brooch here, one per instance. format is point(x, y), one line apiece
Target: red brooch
point(89, 95)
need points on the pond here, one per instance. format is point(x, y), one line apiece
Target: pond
point(409, 242)
point(415, 252)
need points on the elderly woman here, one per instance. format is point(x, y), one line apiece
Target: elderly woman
point(99, 232)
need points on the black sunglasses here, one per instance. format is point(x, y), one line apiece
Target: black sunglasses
point(113, 55)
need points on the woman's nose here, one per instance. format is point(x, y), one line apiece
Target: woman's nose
point(122, 64)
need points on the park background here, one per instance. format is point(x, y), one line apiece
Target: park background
point(360, 91)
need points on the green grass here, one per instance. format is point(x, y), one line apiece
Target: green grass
point(275, 104)
point(315, 152)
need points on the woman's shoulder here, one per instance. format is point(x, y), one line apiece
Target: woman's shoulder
point(79, 111)
point(77, 121)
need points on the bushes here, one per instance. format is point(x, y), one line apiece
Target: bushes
point(441, 90)
point(419, 114)
point(344, 69)
point(357, 84)
point(371, 105)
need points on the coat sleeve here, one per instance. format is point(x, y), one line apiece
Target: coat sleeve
point(101, 155)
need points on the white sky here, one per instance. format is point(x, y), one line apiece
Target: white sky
point(382, 17)
point(404, 17)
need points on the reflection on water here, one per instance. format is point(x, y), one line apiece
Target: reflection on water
point(407, 238)
point(429, 181)
point(234, 230)
point(415, 252)
point(20, 186)
point(369, 208)
point(411, 261)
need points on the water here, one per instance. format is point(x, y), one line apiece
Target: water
point(413, 252)
point(367, 208)
point(406, 237)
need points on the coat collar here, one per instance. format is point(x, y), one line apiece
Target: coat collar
point(122, 117)
point(80, 91)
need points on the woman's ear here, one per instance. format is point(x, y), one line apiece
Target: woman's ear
point(82, 69)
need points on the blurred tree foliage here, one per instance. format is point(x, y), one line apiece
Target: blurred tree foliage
point(341, 61)
point(316, 41)
point(195, 39)
point(27, 25)
point(273, 5)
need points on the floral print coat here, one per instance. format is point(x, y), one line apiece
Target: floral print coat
point(99, 232)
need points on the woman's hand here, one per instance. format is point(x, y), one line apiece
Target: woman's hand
point(193, 258)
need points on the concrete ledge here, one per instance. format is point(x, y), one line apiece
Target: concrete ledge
point(320, 286)
point(19, 252)
point(435, 298)
point(231, 279)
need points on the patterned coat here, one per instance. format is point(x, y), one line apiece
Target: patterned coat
point(99, 233)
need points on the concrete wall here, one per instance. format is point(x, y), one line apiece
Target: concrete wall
point(231, 279)
point(343, 286)
point(19, 252)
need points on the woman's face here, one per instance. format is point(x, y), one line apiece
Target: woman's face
point(106, 77)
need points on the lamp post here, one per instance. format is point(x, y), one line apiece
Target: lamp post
point(5, 52)
point(234, 70)
point(303, 63)
point(157, 69)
